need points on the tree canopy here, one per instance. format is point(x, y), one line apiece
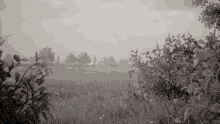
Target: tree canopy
point(84, 59)
point(210, 16)
point(48, 54)
point(71, 58)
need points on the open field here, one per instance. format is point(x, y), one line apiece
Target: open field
point(94, 96)
point(88, 73)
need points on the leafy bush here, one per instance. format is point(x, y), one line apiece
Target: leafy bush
point(24, 100)
point(186, 71)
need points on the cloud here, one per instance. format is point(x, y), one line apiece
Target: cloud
point(172, 13)
point(100, 20)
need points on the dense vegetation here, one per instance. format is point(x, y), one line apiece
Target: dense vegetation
point(187, 71)
point(182, 78)
point(23, 99)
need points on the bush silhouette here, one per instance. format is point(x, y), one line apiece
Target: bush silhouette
point(23, 100)
point(184, 69)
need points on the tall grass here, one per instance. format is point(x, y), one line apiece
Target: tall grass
point(101, 98)
point(100, 102)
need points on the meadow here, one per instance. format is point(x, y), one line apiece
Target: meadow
point(93, 95)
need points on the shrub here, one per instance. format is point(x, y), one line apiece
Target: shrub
point(24, 100)
point(184, 69)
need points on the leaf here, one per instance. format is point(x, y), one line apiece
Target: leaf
point(207, 87)
point(192, 87)
point(201, 42)
point(153, 51)
point(194, 100)
point(218, 75)
point(23, 92)
point(215, 86)
point(147, 53)
point(184, 88)
point(196, 61)
point(17, 58)
point(187, 113)
point(207, 73)
point(205, 64)
point(42, 89)
point(177, 120)
point(34, 99)
point(200, 96)
point(218, 53)
point(31, 86)
point(50, 70)
point(179, 101)
point(215, 107)
point(197, 90)
point(209, 53)
point(136, 51)
point(203, 101)
point(17, 76)
point(134, 56)
point(45, 115)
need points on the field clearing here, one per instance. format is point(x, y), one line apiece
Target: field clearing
point(87, 73)
point(94, 96)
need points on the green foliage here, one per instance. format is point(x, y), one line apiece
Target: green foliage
point(47, 54)
point(84, 59)
point(111, 62)
point(71, 59)
point(58, 60)
point(94, 61)
point(210, 14)
point(190, 64)
point(123, 62)
point(24, 99)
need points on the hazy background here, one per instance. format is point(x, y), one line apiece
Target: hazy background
point(99, 27)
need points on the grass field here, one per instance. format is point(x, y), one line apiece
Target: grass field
point(95, 96)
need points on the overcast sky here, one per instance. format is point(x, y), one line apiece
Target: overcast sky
point(98, 27)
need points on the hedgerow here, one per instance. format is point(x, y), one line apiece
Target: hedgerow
point(186, 72)
point(24, 100)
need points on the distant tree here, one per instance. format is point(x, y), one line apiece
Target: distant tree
point(94, 61)
point(58, 60)
point(105, 61)
point(71, 59)
point(123, 62)
point(111, 61)
point(101, 62)
point(49, 56)
point(84, 59)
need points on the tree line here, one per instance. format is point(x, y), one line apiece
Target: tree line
point(81, 60)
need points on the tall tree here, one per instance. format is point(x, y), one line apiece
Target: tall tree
point(84, 58)
point(49, 55)
point(94, 61)
point(111, 61)
point(58, 60)
point(123, 62)
point(105, 60)
point(210, 16)
point(71, 59)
